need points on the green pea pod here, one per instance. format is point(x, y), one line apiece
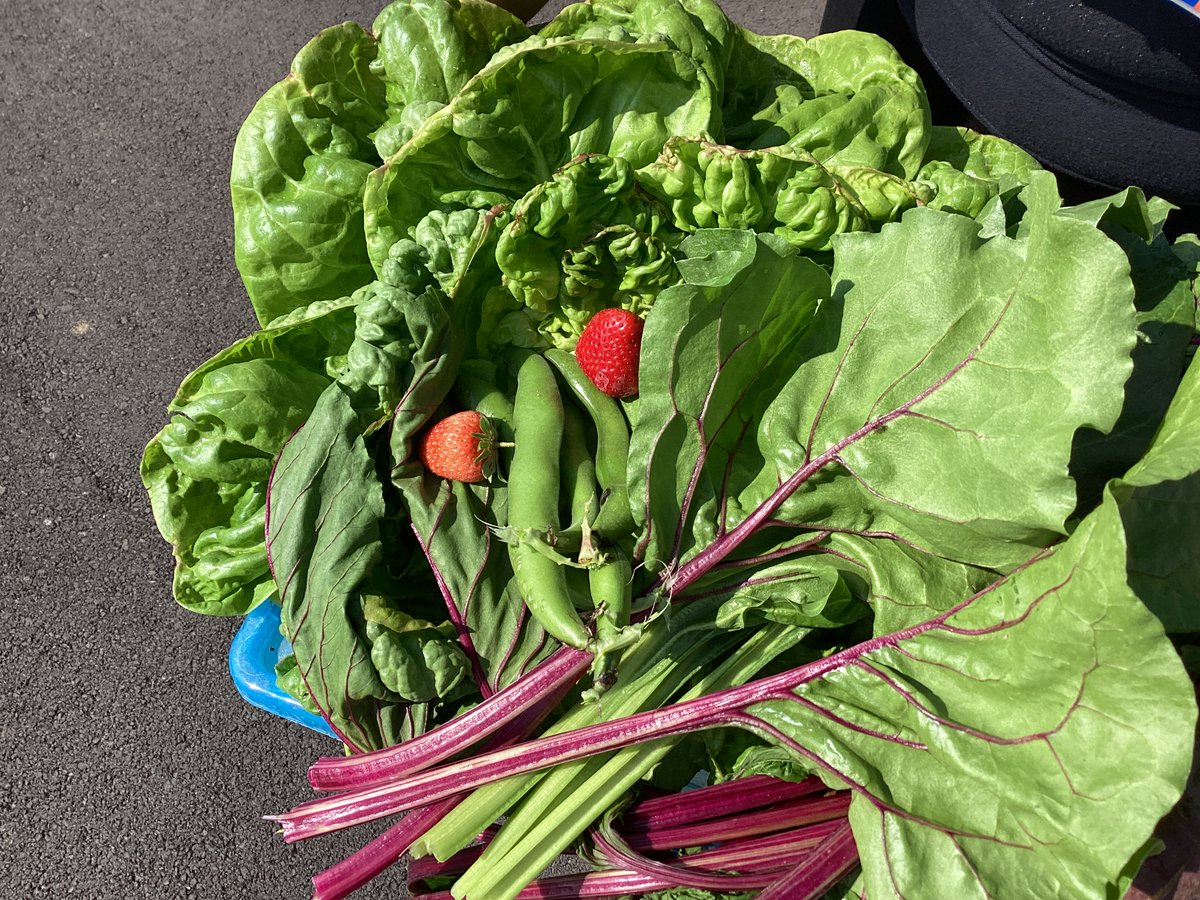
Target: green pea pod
point(578, 469)
point(615, 519)
point(533, 490)
point(611, 586)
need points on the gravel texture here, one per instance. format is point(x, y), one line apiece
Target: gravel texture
point(135, 768)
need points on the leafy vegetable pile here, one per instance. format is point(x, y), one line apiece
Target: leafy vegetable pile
point(876, 517)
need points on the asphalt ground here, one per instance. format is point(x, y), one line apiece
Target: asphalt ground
point(133, 768)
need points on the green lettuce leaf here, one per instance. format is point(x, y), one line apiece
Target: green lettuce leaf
point(845, 97)
point(300, 164)
point(779, 189)
point(532, 109)
point(584, 240)
point(429, 49)
point(967, 170)
point(206, 471)
point(697, 28)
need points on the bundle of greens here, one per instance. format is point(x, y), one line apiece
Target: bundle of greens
point(889, 545)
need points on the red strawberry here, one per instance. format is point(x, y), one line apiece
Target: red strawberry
point(461, 447)
point(608, 351)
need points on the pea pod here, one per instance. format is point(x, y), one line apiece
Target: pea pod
point(615, 519)
point(611, 586)
point(533, 489)
point(578, 470)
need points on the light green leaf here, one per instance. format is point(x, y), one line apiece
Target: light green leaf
point(845, 97)
point(428, 49)
point(1006, 353)
point(299, 167)
point(697, 28)
point(532, 109)
point(206, 471)
point(1159, 499)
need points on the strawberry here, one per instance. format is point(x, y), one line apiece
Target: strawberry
point(461, 447)
point(608, 351)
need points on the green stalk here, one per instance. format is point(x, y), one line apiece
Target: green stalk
point(652, 672)
point(561, 808)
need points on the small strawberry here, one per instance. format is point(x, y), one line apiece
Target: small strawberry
point(461, 447)
point(608, 351)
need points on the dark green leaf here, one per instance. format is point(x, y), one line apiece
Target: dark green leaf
point(324, 507)
point(711, 353)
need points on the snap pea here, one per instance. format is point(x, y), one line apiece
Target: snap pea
point(615, 519)
point(578, 470)
point(611, 587)
point(533, 490)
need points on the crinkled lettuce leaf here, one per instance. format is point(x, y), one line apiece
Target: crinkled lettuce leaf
point(965, 170)
point(303, 154)
point(532, 109)
point(584, 240)
point(299, 166)
point(845, 97)
point(206, 470)
point(697, 28)
point(428, 49)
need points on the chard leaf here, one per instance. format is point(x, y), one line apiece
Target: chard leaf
point(961, 432)
point(299, 167)
point(326, 528)
point(1159, 499)
point(964, 784)
point(711, 354)
point(805, 593)
point(1166, 311)
point(324, 504)
point(906, 583)
point(453, 522)
point(970, 742)
point(532, 109)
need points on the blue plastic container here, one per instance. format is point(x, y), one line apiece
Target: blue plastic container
point(255, 650)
